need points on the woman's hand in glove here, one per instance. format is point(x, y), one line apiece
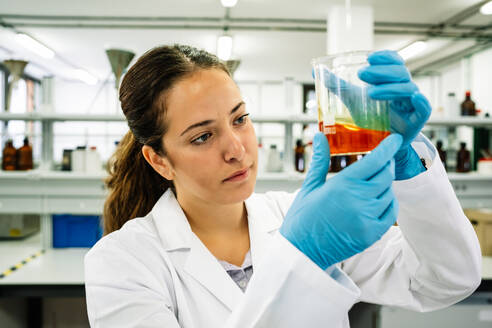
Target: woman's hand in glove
point(332, 220)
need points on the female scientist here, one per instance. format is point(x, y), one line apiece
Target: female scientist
point(185, 232)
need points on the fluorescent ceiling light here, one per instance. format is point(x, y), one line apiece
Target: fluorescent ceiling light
point(413, 49)
point(84, 76)
point(224, 47)
point(35, 46)
point(228, 3)
point(486, 9)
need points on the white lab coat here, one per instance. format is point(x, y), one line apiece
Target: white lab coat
point(155, 272)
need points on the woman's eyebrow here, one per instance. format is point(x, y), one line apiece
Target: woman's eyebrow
point(206, 122)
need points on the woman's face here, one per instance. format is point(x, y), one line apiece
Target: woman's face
point(210, 142)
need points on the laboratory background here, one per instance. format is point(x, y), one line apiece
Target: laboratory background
point(61, 63)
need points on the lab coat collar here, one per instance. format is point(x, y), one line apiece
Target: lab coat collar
point(175, 233)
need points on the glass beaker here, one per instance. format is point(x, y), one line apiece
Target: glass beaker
point(352, 122)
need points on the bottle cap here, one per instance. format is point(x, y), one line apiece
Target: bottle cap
point(468, 93)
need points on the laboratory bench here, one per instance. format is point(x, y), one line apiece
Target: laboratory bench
point(64, 267)
point(59, 273)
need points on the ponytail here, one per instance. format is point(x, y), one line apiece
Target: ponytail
point(134, 186)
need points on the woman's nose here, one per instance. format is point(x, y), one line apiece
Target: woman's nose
point(234, 149)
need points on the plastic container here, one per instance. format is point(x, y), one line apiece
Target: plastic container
point(79, 159)
point(76, 230)
point(484, 166)
point(481, 220)
point(274, 163)
point(262, 158)
point(93, 163)
point(453, 108)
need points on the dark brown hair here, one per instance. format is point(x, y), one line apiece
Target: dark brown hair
point(134, 186)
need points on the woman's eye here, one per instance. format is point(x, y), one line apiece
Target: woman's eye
point(241, 119)
point(201, 139)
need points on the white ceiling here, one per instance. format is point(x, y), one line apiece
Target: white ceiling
point(264, 55)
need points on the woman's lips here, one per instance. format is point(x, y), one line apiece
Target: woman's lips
point(239, 176)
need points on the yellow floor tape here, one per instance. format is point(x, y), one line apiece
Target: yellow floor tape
point(21, 264)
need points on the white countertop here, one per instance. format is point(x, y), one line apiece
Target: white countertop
point(66, 265)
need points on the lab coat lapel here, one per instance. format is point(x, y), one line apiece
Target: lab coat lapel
point(176, 233)
point(263, 222)
point(204, 267)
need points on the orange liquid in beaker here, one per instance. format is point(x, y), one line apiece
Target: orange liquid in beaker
point(347, 139)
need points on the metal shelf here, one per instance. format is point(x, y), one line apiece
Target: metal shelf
point(119, 118)
point(469, 121)
point(290, 176)
point(53, 117)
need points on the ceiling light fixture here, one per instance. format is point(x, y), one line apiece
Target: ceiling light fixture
point(228, 3)
point(413, 49)
point(84, 76)
point(35, 46)
point(486, 9)
point(224, 47)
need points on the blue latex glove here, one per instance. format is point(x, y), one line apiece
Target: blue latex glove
point(332, 220)
point(409, 109)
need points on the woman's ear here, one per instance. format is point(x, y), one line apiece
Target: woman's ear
point(161, 164)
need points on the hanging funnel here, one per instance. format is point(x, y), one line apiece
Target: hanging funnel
point(119, 60)
point(232, 65)
point(16, 68)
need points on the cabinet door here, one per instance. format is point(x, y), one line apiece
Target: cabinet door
point(20, 204)
point(75, 205)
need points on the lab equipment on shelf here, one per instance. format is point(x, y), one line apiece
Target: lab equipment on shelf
point(299, 160)
point(452, 106)
point(442, 153)
point(83, 159)
point(468, 106)
point(463, 161)
point(24, 156)
point(9, 156)
point(274, 163)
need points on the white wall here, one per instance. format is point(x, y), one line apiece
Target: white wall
point(481, 65)
point(453, 79)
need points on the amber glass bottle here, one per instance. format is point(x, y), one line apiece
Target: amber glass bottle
point(9, 157)
point(24, 156)
point(463, 163)
point(300, 162)
point(442, 153)
point(468, 106)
